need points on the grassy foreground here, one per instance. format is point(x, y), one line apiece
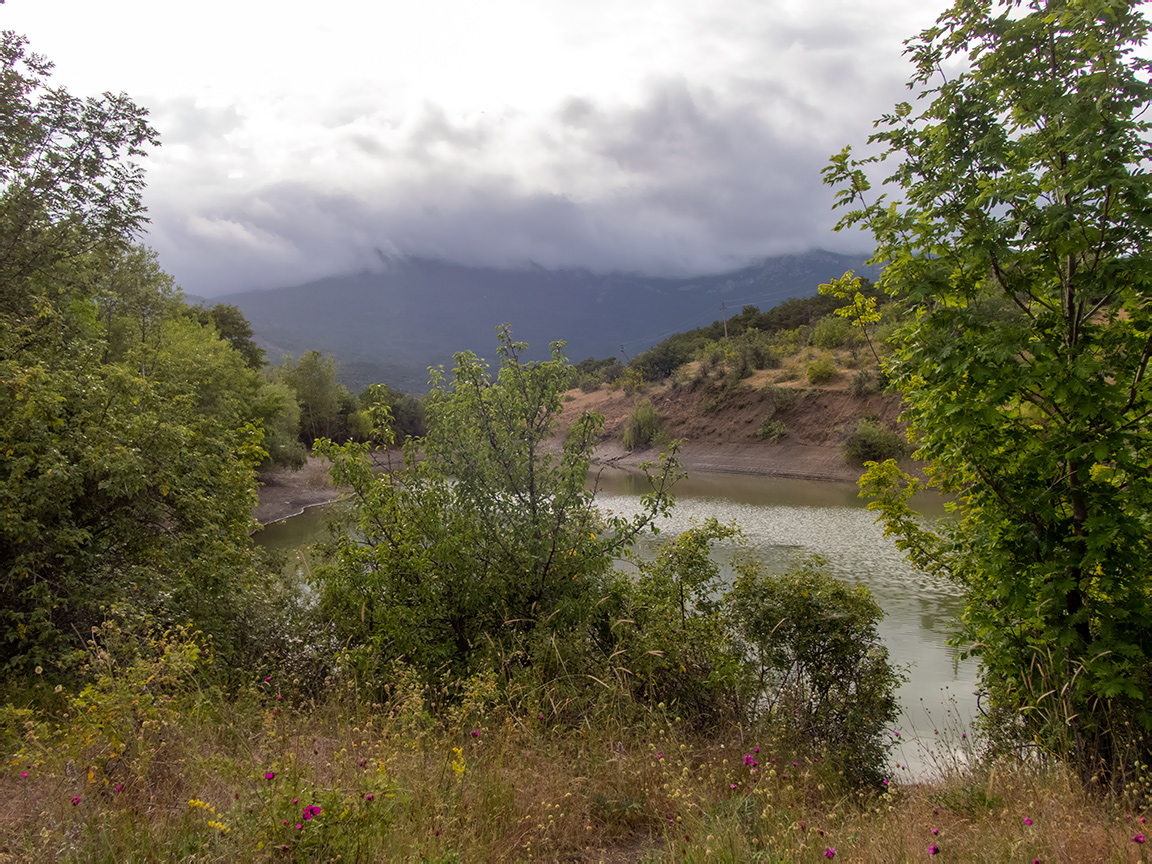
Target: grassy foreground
point(146, 764)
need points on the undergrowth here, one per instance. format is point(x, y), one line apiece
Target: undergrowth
point(149, 763)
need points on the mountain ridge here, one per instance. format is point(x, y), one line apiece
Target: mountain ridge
point(391, 325)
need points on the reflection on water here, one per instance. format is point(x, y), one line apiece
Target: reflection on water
point(781, 518)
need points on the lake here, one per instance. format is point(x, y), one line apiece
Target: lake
point(782, 518)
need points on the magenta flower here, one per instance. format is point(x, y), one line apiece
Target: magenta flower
point(24, 775)
point(1027, 821)
point(1139, 838)
point(368, 797)
point(830, 852)
point(76, 800)
point(268, 775)
point(310, 811)
point(933, 849)
point(935, 831)
point(475, 733)
point(119, 787)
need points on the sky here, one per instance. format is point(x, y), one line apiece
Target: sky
point(666, 137)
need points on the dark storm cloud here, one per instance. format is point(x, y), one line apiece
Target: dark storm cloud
point(688, 180)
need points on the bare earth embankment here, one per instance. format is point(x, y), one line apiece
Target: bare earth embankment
point(718, 427)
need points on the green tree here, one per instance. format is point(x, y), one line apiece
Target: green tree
point(127, 478)
point(234, 329)
point(325, 403)
point(489, 542)
point(68, 182)
point(1023, 243)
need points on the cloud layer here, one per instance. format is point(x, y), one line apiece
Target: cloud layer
point(608, 136)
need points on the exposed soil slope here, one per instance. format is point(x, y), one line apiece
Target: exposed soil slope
point(719, 425)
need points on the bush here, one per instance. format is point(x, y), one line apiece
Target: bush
point(486, 549)
point(862, 384)
point(874, 442)
point(821, 370)
point(831, 331)
point(813, 643)
point(772, 430)
point(642, 428)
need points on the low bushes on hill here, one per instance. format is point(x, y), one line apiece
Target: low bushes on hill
point(874, 442)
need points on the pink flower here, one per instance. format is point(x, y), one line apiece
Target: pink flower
point(933, 849)
point(368, 797)
point(830, 852)
point(119, 787)
point(475, 733)
point(76, 800)
point(24, 775)
point(1139, 838)
point(935, 831)
point(268, 775)
point(1027, 821)
point(310, 811)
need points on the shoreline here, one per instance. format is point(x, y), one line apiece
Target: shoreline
point(284, 493)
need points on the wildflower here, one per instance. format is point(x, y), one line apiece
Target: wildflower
point(368, 797)
point(935, 831)
point(119, 787)
point(1139, 838)
point(731, 785)
point(295, 800)
point(830, 852)
point(475, 733)
point(268, 775)
point(933, 849)
point(310, 811)
point(659, 755)
point(299, 826)
point(24, 775)
point(76, 800)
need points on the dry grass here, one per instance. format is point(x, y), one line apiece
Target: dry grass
point(492, 785)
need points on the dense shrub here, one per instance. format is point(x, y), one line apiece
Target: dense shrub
point(831, 331)
point(874, 442)
point(811, 644)
point(642, 428)
point(821, 371)
point(772, 430)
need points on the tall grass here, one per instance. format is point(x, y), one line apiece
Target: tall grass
point(149, 763)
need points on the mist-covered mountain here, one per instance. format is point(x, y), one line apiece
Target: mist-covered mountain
point(389, 326)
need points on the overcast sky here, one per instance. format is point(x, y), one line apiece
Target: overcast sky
point(660, 136)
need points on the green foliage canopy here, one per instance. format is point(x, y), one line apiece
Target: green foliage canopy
point(1023, 243)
